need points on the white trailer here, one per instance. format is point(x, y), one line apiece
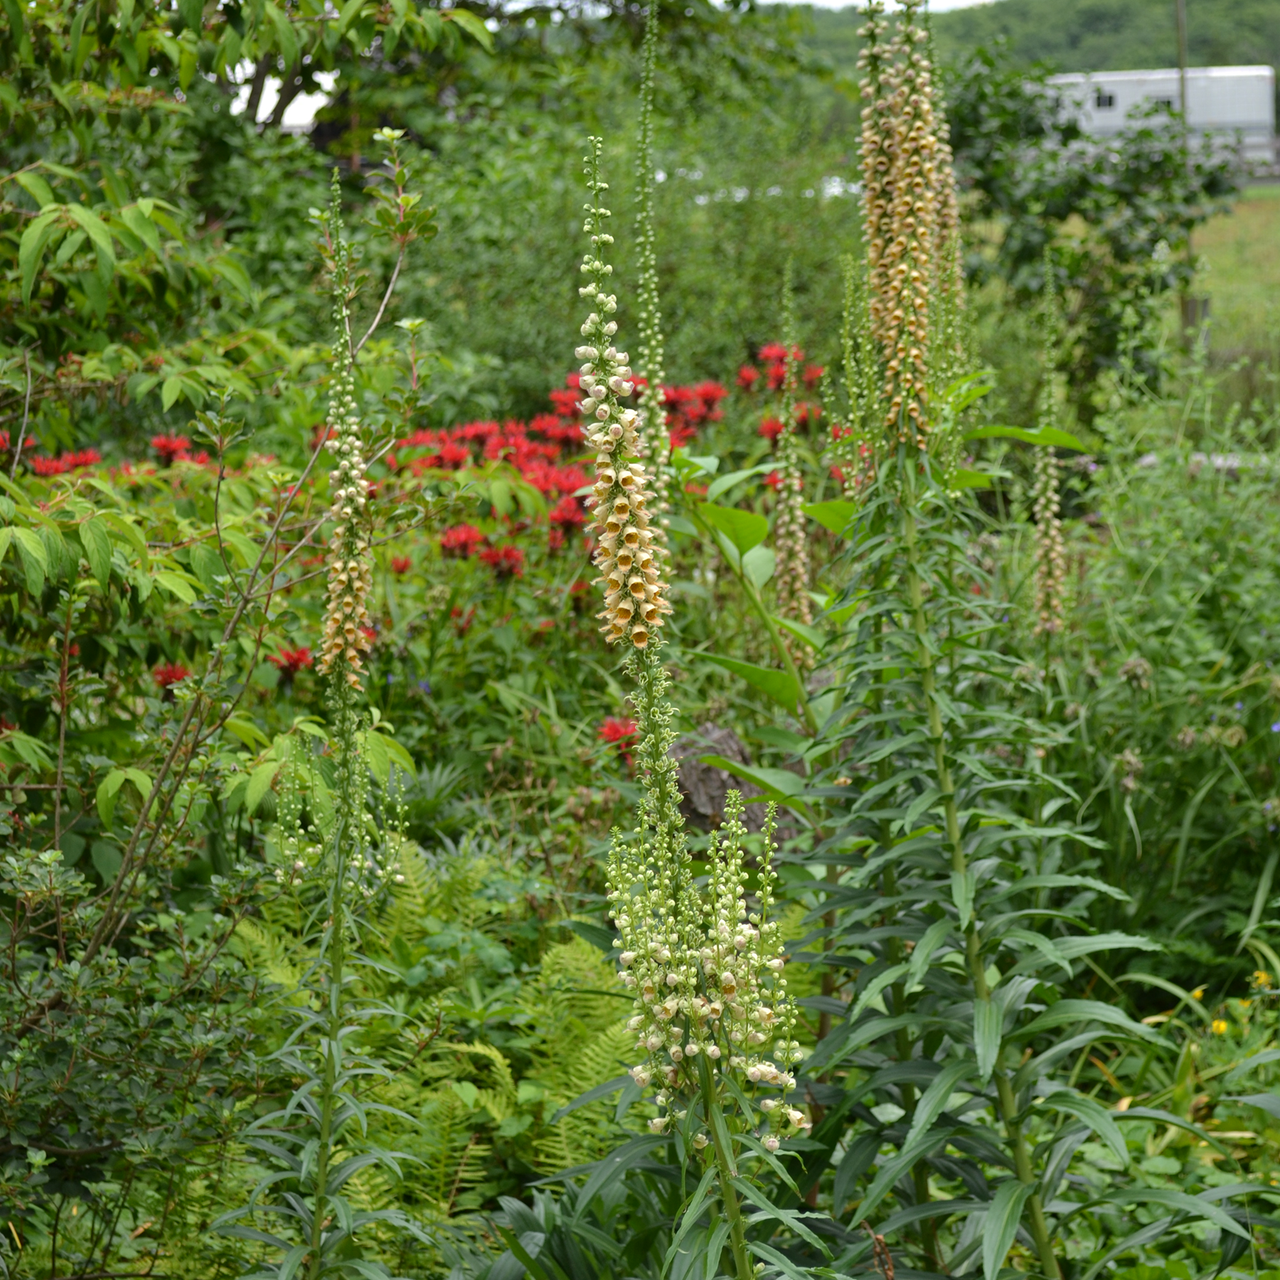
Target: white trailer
point(1221, 101)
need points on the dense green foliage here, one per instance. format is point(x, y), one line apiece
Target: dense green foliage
point(1028, 885)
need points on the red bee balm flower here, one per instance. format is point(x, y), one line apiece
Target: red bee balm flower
point(401, 565)
point(771, 428)
point(462, 540)
point(748, 376)
point(506, 561)
point(170, 447)
point(620, 732)
point(774, 480)
point(291, 661)
point(170, 673)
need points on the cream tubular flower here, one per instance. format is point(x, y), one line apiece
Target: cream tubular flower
point(628, 552)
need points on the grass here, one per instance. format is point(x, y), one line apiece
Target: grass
point(1242, 253)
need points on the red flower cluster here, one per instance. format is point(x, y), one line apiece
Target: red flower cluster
point(67, 462)
point(506, 561)
point(461, 540)
point(401, 564)
point(773, 355)
point(771, 428)
point(291, 661)
point(620, 732)
point(689, 407)
point(170, 673)
point(176, 449)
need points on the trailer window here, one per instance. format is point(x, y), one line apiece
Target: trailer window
point(1103, 100)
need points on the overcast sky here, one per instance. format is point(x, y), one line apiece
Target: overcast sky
point(937, 6)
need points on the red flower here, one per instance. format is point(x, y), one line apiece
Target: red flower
point(461, 621)
point(567, 512)
point(290, 661)
point(806, 413)
point(696, 489)
point(170, 673)
point(547, 624)
point(68, 462)
point(837, 473)
point(461, 540)
point(748, 376)
point(555, 538)
point(506, 561)
point(771, 353)
point(680, 434)
point(812, 374)
point(771, 428)
point(710, 393)
point(620, 732)
point(455, 455)
point(401, 564)
point(774, 480)
point(170, 447)
point(777, 376)
point(580, 586)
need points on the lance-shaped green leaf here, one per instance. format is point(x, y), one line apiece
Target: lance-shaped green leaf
point(1093, 1114)
point(1001, 1225)
point(781, 686)
point(1043, 437)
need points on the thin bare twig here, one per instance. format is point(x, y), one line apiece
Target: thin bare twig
point(386, 297)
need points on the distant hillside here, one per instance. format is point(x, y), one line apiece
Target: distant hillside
point(1084, 35)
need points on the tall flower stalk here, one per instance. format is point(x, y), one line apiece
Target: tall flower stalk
point(655, 443)
point(713, 1020)
point(1046, 498)
point(791, 534)
point(308, 1142)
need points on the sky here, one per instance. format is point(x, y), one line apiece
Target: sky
point(936, 6)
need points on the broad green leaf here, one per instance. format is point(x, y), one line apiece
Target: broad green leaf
point(963, 887)
point(246, 731)
point(745, 529)
point(107, 859)
point(286, 41)
point(97, 549)
point(32, 246)
point(722, 484)
point(758, 565)
point(1043, 437)
point(473, 25)
point(1001, 1225)
point(988, 1020)
point(206, 564)
point(96, 229)
point(35, 560)
point(260, 781)
point(176, 584)
point(106, 795)
point(170, 391)
point(781, 686)
point(834, 516)
point(36, 187)
point(972, 479)
point(142, 227)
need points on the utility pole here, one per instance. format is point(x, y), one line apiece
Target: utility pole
point(1194, 310)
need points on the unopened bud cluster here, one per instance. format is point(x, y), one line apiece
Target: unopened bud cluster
point(654, 440)
point(629, 554)
point(708, 976)
point(350, 577)
point(906, 215)
point(790, 529)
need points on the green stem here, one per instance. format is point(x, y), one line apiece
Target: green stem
point(959, 865)
point(333, 1050)
point(722, 1144)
